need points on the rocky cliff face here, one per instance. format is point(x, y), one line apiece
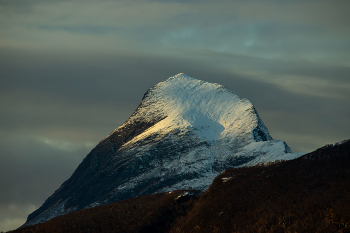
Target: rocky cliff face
point(182, 135)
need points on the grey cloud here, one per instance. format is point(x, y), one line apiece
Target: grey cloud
point(263, 39)
point(33, 164)
point(30, 171)
point(76, 91)
point(68, 78)
point(14, 215)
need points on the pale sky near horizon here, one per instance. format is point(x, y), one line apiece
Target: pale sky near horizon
point(73, 71)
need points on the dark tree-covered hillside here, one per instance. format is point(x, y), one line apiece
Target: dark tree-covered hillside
point(307, 194)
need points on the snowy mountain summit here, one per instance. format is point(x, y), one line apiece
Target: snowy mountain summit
point(182, 135)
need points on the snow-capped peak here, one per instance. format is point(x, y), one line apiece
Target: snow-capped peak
point(182, 135)
point(209, 109)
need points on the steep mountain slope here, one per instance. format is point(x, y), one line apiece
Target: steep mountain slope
point(308, 194)
point(181, 136)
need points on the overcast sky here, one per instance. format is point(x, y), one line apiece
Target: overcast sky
point(73, 71)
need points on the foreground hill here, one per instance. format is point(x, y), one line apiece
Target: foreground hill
point(307, 194)
point(182, 135)
point(151, 213)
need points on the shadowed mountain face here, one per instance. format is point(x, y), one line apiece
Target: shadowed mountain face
point(182, 135)
point(307, 194)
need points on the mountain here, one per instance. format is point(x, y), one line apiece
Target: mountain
point(182, 135)
point(307, 194)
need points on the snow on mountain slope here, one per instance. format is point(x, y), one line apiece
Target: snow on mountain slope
point(213, 111)
point(181, 136)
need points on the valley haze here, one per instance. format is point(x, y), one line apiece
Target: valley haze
point(70, 72)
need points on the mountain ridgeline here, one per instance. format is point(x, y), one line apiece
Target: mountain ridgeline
point(307, 194)
point(184, 133)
